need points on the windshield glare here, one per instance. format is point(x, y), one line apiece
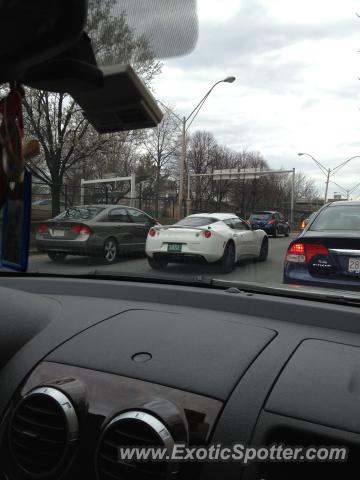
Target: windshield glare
point(259, 129)
point(79, 213)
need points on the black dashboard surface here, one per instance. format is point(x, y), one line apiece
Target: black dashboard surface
point(190, 352)
point(266, 360)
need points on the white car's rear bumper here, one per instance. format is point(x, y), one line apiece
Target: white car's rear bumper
point(209, 250)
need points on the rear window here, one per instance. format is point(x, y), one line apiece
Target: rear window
point(345, 217)
point(196, 221)
point(80, 213)
point(261, 216)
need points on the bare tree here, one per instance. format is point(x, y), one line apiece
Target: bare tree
point(201, 155)
point(66, 138)
point(205, 155)
point(160, 145)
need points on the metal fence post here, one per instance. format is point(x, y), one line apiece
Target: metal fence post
point(188, 200)
point(132, 189)
point(82, 192)
point(65, 196)
point(292, 197)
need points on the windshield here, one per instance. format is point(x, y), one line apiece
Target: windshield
point(195, 221)
point(261, 216)
point(259, 131)
point(338, 218)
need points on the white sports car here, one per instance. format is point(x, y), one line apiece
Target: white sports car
point(205, 237)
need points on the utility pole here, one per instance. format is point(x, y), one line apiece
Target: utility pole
point(182, 166)
point(327, 185)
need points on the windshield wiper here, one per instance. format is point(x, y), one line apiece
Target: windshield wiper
point(345, 297)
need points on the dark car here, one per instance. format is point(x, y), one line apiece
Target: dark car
point(327, 252)
point(273, 223)
point(94, 230)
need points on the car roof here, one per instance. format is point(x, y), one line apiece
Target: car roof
point(102, 205)
point(219, 216)
point(265, 211)
point(344, 202)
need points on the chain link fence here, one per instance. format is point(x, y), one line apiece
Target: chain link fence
point(70, 196)
point(165, 208)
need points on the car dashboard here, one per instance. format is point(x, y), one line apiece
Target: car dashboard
point(88, 366)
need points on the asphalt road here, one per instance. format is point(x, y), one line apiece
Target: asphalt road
point(250, 271)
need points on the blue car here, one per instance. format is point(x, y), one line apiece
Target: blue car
point(273, 223)
point(327, 252)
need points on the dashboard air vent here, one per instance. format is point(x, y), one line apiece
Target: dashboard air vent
point(42, 429)
point(134, 429)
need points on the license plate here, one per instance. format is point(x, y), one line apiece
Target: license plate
point(174, 247)
point(58, 233)
point(354, 265)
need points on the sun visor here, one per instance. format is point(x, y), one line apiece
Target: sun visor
point(170, 27)
point(33, 31)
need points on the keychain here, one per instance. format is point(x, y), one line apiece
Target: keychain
point(12, 153)
point(12, 133)
point(3, 181)
point(15, 182)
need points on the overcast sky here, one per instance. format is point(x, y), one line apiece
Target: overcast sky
point(297, 67)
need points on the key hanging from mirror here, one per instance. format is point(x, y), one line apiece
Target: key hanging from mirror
point(12, 133)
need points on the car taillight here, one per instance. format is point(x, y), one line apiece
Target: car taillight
point(248, 222)
point(43, 227)
point(81, 229)
point(207, 234)
point(304, 252)
point(152, 232)
point(296, 253)
point(271, 222)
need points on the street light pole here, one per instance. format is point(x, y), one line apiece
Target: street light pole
point(328, 172)
point(185, 124)
point(346, 191)
point(182, 166)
